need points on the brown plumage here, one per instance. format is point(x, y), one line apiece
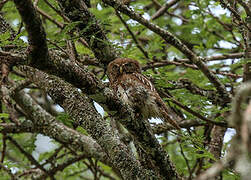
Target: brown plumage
point(134, 89)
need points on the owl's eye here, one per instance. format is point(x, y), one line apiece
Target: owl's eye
point(128, 67)
point(115, 68)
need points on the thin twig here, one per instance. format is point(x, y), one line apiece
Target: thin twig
point(164, 8)
point(69, 162)
point(4, 147)
point(186, 160)
point(133, 36)
point(44, 14)
point(224, 124)
point(167, 63)
point(29, 156)
point(235, 13)
point(176, 42)
point(217, 58)
point(57, 11)
point(2, 166)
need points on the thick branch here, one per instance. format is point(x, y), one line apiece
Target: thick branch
point(23, 127)
point(38, 50)
point(90, 29)
point(151, 153)
point(47, 125)
point(82, 110)
point(247, 65)
point(216, 143)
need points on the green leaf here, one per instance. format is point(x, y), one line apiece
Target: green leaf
point(4, 115)
point(65, 119)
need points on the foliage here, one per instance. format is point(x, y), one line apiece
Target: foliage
point(205, 27)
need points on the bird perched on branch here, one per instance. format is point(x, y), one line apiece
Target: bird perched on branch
point(137, 91)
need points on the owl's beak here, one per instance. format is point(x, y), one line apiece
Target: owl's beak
point(120, 69)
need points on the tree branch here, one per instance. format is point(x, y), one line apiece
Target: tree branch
point(90, 30)
point(173, 40)
point(47, 125)
point(38, 50)
point(29, 156)
point(164, 8)
point(82, 110)
point(133, 36)
point(13, 177)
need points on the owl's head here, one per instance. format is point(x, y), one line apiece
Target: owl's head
point(122, 66)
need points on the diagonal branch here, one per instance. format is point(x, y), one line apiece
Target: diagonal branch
point(38, 50)
point(237, 157)
point(164, 8)
point(29, 156)
point(47, 125)
point(247, 39)
point(61, 167)
point(13, 177)
point(90, 29)
point(17, 128)
point(82, 110)
point(166, 35)
point(173, 40)
point(133, 36)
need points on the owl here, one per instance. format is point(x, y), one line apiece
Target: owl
point(135, 90)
